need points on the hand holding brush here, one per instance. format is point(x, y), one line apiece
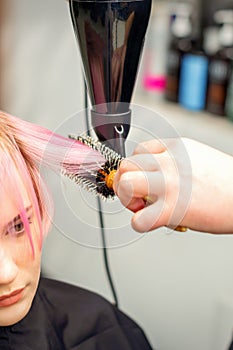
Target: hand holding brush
point(107, 180)
point(180, 175)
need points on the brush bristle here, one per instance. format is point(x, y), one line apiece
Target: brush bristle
point(95, 181)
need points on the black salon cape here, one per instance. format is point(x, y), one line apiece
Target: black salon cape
point(65, 317)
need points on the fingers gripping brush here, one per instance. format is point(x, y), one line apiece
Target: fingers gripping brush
point(100, 181)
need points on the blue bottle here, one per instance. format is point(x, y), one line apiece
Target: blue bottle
point(193, 81)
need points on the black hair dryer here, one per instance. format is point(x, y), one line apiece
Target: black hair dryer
point(110, 34)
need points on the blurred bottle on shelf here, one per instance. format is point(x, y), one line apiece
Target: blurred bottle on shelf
point(218, 45)
point(193, 81)
point(153, 71)
point(181, 41)
point(229, 99)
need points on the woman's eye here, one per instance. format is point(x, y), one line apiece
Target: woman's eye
point(19, 227)
point(16, 229)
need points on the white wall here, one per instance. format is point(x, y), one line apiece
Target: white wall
point(179, 287)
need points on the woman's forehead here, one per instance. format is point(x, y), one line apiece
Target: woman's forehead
point(13, 198)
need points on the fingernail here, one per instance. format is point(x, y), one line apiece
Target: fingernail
point(123, 164)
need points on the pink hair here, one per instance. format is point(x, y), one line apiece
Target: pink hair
point(23, 148)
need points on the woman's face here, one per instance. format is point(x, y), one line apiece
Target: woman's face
point(19, 269)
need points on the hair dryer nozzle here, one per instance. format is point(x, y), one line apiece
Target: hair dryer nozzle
point(112, 129)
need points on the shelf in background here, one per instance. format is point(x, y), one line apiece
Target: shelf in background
point(216, 131)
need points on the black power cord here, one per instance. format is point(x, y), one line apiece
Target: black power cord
point(101, 218)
